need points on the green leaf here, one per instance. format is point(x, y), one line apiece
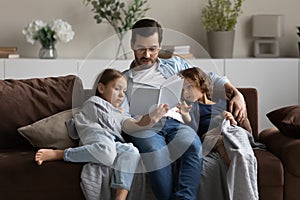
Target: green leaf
point(117, 14)
point(221, 15)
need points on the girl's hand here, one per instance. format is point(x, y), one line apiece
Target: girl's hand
point(159, 112)
point(229, 116)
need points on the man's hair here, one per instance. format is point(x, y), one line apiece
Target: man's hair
point(105, 77)
point(201, 79)
point(146, 28)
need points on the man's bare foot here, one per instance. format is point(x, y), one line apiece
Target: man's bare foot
point(48, 155)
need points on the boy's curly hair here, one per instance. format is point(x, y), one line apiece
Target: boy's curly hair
point(201, 79)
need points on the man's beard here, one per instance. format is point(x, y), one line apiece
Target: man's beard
point(140, 65)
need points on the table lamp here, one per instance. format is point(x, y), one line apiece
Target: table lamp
point(267, 29)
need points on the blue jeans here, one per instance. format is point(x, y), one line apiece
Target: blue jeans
point(166, 144)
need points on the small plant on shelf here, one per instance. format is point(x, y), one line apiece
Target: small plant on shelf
point(221, 15)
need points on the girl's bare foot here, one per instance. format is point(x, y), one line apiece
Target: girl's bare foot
point(48, 155)
point(121, 194)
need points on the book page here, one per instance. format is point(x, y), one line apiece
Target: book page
point(173, 113)
point(142, 100)
point(171, 90)
point(171, 80)
point(145, 99)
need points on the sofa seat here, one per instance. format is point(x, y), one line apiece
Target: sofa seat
point(270, 175)
point(34, 181)
point(286, 149)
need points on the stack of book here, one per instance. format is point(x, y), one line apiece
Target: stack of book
point(9, 52)
point(168, 51)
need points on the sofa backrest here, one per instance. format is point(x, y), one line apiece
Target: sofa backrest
point(23, 102)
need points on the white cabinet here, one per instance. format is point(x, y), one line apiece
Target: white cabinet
point(88, 70)
point(209, 65)
point(275, 79)
point(2, 69)
point(32, 68)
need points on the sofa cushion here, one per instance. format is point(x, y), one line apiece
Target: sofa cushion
point(287, 120)
point(50, 132)
point(25, 101)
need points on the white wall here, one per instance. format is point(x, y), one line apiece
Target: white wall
point(180, 15)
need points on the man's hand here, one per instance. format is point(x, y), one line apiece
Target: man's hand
point(237, 106)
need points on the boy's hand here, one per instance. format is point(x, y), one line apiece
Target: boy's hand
point(229, 116)
point(184, 110)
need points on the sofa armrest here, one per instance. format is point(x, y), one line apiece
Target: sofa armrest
point(287, 149)
point(251, 98)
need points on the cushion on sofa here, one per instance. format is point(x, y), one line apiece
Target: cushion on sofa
point(287, 120)
point(25, 101)
point(50, 132)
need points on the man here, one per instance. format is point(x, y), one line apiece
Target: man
point(169, 140)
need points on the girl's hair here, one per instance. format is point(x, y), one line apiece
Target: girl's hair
point(201, 79)
point(105, 77)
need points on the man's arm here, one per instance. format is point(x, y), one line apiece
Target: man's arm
point(237, 104)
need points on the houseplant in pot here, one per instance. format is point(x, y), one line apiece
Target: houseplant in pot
point(219, 18)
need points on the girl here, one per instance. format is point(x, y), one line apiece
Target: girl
point(99, 124)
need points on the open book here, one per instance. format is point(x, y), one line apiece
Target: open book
point(145, 99)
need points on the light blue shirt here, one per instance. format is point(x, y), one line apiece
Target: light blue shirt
point(168, 68)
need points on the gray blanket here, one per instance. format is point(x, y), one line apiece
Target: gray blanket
point(239, 180)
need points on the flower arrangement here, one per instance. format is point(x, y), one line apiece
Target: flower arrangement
point(48, 33)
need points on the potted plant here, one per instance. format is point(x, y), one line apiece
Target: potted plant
point(219, 18)
point(118, 15)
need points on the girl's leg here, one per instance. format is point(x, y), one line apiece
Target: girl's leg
point(48, 155)
point(124, 168)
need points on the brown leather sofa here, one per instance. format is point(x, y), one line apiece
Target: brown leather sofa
point(23, 102)
point(283, 140)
